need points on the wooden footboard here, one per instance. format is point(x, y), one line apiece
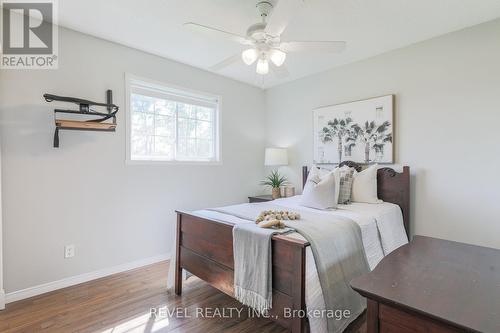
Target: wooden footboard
point(205, 248)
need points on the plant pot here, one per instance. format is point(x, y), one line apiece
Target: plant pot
point(276, 194)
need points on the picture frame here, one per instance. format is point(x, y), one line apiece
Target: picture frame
point(361, 131)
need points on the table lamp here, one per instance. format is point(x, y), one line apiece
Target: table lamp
point(275, 157)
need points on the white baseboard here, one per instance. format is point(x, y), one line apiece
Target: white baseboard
point(2, 299)
point(73, 280)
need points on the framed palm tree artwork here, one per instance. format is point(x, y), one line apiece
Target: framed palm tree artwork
point(360, 131)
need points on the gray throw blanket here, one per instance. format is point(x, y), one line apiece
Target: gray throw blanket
point(252, 259)
point(338, 252)
point(253, 265)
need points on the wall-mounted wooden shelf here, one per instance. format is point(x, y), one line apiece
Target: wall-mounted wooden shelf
point(101, 123)
point(84, 125)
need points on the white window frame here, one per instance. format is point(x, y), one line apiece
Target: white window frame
point(167, 88)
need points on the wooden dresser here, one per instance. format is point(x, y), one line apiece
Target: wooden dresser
point(433, 285)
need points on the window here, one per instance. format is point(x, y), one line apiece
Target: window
point(170, 124)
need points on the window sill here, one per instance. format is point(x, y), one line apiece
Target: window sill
point(160, 162)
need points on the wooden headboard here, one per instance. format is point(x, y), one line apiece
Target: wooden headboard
point(392, 187)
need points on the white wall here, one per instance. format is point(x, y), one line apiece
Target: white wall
point(447, 126)
point(83, 193)
point(447, 116)
point(2, 291)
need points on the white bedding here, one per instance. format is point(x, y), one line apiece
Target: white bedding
point(374, 219)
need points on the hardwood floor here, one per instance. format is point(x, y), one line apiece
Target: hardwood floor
point(122, 303)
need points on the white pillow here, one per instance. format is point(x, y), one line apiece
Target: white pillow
point(319, 171)
point(364, 186)
point(320, 192)
point(336, 172)
point(322, 173)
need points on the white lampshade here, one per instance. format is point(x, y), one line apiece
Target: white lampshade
point(262, 67)
point(249, 56)
point(277, 57)
point(276, 156)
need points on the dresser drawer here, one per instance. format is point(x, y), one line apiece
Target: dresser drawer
point(396, 321)
point(387, 327)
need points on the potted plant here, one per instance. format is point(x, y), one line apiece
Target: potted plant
point(275, 181)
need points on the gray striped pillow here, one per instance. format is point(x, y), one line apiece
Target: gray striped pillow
point(346, 176)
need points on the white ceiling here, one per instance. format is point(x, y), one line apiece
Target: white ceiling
point(370, 27)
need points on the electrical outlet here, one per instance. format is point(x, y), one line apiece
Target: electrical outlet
point(69, 251)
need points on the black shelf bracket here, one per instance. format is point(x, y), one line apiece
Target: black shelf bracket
point(98, 121)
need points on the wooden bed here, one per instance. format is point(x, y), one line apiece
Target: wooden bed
point(205, 249)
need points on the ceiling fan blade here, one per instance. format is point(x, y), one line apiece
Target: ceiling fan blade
point(217, 33)
point(282, 13)
point(280, 72)
point(311, 46)
point(226, 62)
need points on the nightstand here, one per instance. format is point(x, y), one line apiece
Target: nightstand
point(260, 198)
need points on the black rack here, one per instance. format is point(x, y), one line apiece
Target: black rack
point(100, 124)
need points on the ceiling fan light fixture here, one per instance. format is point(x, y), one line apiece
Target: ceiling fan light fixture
point(249, 56)
point(277, 57)
point(262, 67)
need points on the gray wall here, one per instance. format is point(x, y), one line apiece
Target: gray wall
point(83, 193)
point(447, 116)
point(447, 125)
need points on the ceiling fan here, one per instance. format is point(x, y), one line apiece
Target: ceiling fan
point(263, 39)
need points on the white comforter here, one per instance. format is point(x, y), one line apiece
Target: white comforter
point(382, 231)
